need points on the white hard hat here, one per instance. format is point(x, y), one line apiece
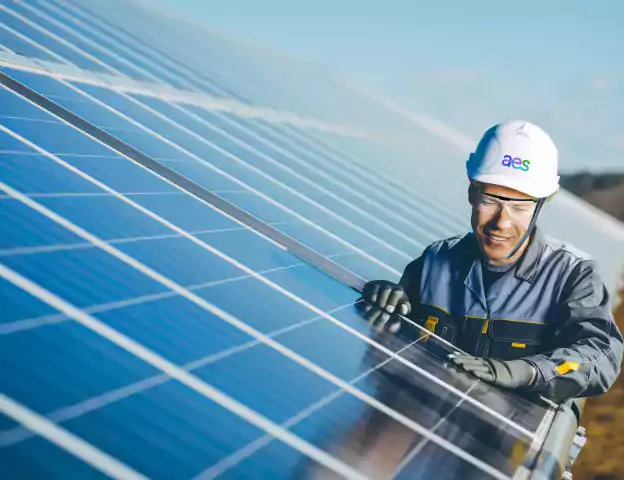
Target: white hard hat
point(517, 155)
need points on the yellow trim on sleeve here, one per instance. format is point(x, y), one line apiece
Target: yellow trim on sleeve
point(518, 345)
point(566, 367)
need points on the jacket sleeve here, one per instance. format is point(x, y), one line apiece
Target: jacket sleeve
point(587, 354)
point(410, 280)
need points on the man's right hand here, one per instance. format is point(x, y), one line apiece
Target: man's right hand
point(384, 299)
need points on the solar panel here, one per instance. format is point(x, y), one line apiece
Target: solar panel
point(181, 255)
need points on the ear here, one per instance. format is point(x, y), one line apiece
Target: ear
point(471, 193)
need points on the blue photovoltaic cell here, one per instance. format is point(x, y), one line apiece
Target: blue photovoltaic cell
point(78, 42)
point(174, 432)
point(15, 107)
point(367, 270)
point(186, 333)
point(18, 305)
point(189, 214)
point(268, 312)
point(52, 462)
point(48, 42)
point(347, 209)
point(78, 275)
point(247, 376)
point(22, 227)
point(109, 45)
point(177, 70)
point(22, 47)
point(54, 137)
point(87, 366)
point(19, 169)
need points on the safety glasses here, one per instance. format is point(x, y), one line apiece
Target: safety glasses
point(518, 208)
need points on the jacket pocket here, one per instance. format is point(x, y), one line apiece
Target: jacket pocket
point(442, 325)
point(510, 340)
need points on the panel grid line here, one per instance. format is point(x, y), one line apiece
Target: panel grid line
point(91, 43)
point(200, 301)
point(60, 154)
point(156, 57)
point(89, 194)
point(33, 250)
point(60, 40)
point(33, 43)
point(423, 442)
point(128, 51)
point(11, 252)
point(67, 441)
point(34, 120)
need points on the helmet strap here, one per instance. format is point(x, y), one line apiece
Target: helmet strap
point(530, 229)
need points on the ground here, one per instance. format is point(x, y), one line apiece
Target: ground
point(603, 455)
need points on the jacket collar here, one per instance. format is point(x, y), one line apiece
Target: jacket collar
point(529, 263)
point(471, 269)
point(527, 266)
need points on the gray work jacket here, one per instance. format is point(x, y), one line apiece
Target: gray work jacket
point(552, 309)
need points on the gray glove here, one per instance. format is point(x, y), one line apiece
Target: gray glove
point(383, 299)
point(510, 374)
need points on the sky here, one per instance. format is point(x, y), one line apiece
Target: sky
point(470, 65)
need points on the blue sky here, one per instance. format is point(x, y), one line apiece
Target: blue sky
point(557, 63)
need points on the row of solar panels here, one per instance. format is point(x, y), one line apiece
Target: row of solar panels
point(169, 54)
point(160, 268)
point(203, 340)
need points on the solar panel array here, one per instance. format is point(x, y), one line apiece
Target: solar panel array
point(184, 229)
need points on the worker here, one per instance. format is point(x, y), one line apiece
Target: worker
point(530, 311)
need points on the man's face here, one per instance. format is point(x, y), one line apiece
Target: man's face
point(499, 224)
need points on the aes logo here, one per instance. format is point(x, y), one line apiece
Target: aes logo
point(517, 163)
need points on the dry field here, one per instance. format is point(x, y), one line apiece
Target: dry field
point(603, 455)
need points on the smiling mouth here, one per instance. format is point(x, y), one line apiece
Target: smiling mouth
point(497, 238)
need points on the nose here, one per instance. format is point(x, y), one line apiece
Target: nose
point(503, 219)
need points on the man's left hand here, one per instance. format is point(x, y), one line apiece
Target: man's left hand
point(510, 375)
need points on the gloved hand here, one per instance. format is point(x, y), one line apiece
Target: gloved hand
point(510, 374)
point(383, 299)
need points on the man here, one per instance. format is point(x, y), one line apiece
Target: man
point(531, 311)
